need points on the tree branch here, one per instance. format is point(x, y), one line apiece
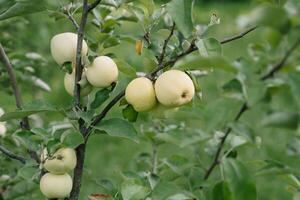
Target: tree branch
point(244, 108)
point(13, 81)
point(71, 18)
point(93, 5)
point(12, 155)
point(161, 66)
point(162, 55)
point(80, 150)
point(235, 37)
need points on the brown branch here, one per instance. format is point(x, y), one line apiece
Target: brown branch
point(80, 150)
point(244, 108)
point(93, 5)
point(235, 37)
point(24, 124)
point(12, 155)
point(280, 64)
point(13, 81)
point(162, 55)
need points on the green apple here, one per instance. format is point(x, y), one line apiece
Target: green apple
point(56, 186)
point(64, 160)
point(69, 81)
point(102, 72)
point(63, 47)
point(174, 88)
point(140, 94)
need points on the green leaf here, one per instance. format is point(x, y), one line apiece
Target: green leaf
point(149, 5)
point(29, 109)
point(219, 112)
point(221, 191)
point(294, 82)
point(199, 62)
point(129, 113)
point(71, 138)
point(209, 47)
point(27, 172)
point(118, 128)
point(240, 180)
point(130, 190)
point(282, 120)
point(125, 68)
point(181, 12)
point(100, 97)
point(24, 7)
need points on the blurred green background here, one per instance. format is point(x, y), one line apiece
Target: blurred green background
point(107, 157)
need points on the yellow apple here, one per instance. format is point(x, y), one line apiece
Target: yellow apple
point(63, 161)
point(102, 72)
point(140, 94)
point(56, 186)
point(69, 82)
point(63, 47)
point(174, 88)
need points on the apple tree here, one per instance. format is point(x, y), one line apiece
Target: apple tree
point(206, 118)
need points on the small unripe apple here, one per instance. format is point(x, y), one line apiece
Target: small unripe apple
point(63, 161)
point(140, 94)
point(69, 82)
point(56, 186)
point(63, 47)
point(102, 72)
point(174, 88)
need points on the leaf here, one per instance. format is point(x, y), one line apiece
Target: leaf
point(199, 62)
point(282, 120)
point(221, 191)
point(118, 128)
point(294, 82)
point(149, 5)
point(209, 47)
point(220, 112)
point(125, 68)
point(71, 138)
point(181, 12)
point(24, 7)
point(239, 180)
point(100, 97)
point(129, 113)
point(29, 109)
point(27, 172)
point(133, 191)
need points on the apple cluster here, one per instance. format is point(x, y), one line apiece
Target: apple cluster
point(101, 73)
point(173, 88)
point(57, 183)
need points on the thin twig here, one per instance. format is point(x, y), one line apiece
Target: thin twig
point(93, 5)
point(270, 74)
point(235, 37)
point(12, 155)
point(72, 19)
point(280, 64)
point(13, 81)
point(162, 55)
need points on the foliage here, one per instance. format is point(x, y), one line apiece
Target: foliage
point(166, 152)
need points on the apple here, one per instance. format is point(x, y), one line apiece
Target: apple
point(140, 94)
point(69, 82)
point(63, 47)
point(2, 125)
point(102, 72)
point(174, 88)
point(56, 186)
point(64, 160)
